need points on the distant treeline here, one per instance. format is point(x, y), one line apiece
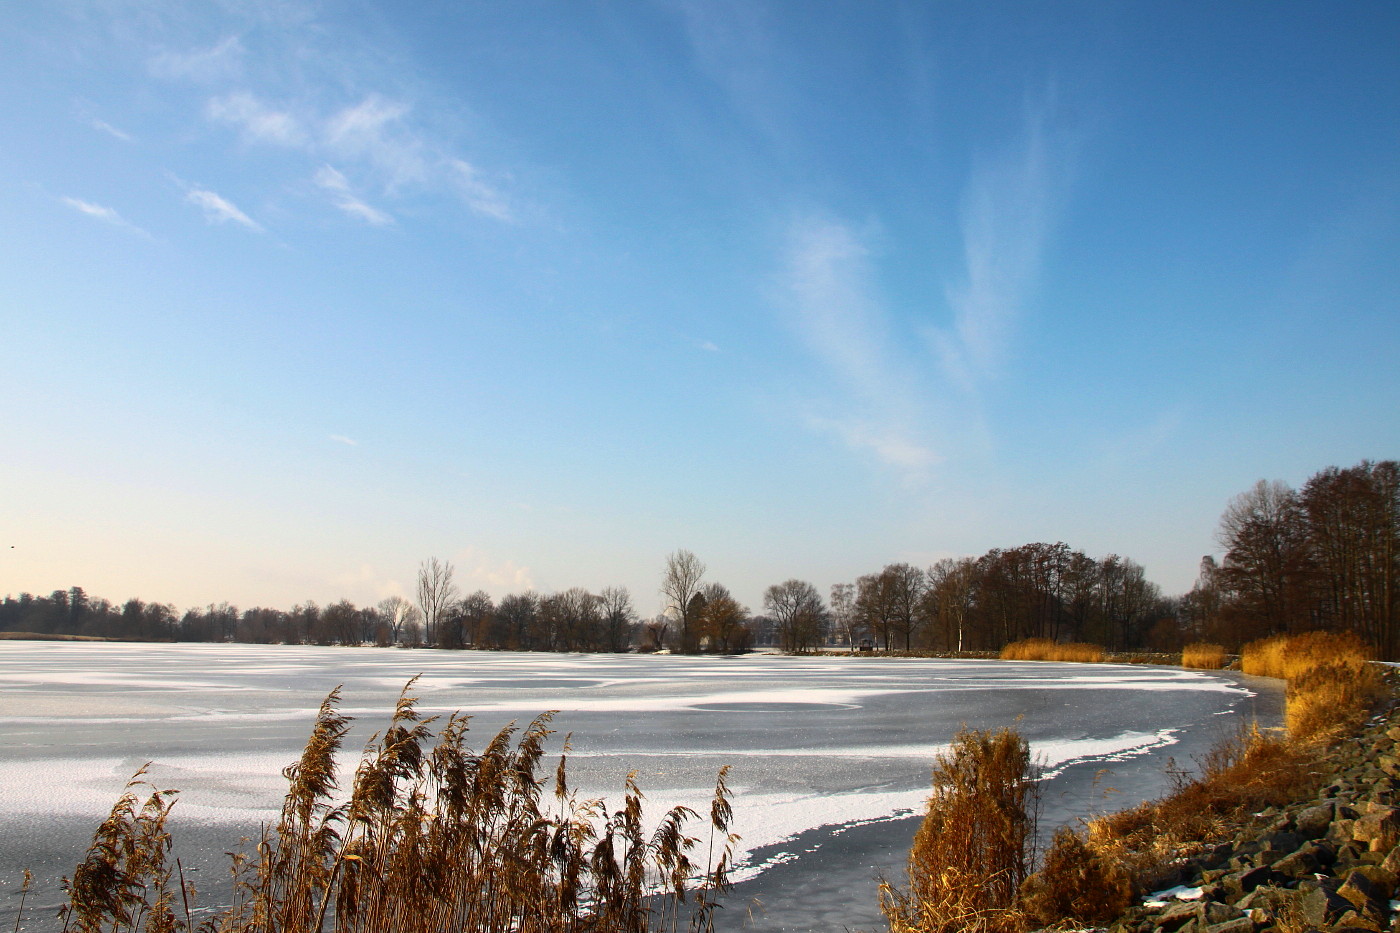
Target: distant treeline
point(1326, 557)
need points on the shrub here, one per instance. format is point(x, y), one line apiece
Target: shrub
point(433, 838)
point(1043, 649)
point(1204, 656)
point(976, 843)
point(1078, 883)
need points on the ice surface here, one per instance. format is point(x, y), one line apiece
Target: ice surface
point(812, 742)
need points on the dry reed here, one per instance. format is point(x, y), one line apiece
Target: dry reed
point(1078, 882)
point(1043, 649)
point(1242, 774)
point(976, 843)
point(434, 837)
point(1330, 680)
point(1203, 656)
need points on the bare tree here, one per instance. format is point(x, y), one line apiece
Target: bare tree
point(798, 614)
point(904, 586)
point(436, 592)
point(615, 604)
point(679, 584)
point(1268, 562)
point(843, 613)
point(952, 592)
point(395, 611)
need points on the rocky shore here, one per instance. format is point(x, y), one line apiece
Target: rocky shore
point(1329, 862)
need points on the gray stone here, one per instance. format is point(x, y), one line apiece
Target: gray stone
point(1358, 922)
point(1307, 860)
point(1379, 830)
point(1268, 899)
point(1313, 822)
point(1366, 896)
point(1176, 916)
point(1322, 908)
point(1212, 913)
point(1237, 925)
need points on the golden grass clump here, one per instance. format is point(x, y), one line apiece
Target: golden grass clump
point(1043, 649)
point(1203, 656)
point(1077, 882)
point(1242, 774)
point(433, 838)
point(1331, 682)
point(976, 843)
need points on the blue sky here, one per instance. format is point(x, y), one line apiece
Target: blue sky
point(295, 295)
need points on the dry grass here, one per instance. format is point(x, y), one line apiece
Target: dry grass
point(434, 837)
point(976, 843)
point(1331, 682)
point(1239, 776)
point(1078, 882)
point(1043, 649)
point(1204, 656)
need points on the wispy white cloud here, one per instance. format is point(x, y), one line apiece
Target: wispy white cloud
point(110, 130)
point(342, 439)
point(378, 135)
point(258, 122)
point(833, 307)
point(709, 346)
point(827, 275)
point(220, 210)
point(342, 197)
point(481, 197)
point(375, 130)
point(105, 214)
point(1006, 214)
point(220, 61)
point(891, 445)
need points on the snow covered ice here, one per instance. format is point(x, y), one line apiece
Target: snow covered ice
point(816, 745)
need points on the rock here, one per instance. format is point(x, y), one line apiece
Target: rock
point(1353, 921)
point(1238, 925)
point(1391, 862)
point(1379, 829)
point(1313, 822)
point(1212, 913)
point(1307, 860)
point(1368, 898)
point(1322, 908)
point(1176, 916)
point(1270, 900)
point(1282, 843)
point(1241, 883)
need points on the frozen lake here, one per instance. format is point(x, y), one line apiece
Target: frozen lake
point(829, 756)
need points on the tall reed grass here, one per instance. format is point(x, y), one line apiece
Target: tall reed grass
point(1043, 649)
point(433, 838)
point(1331, 683)
point(1244, 773)
point(1203, 656)
point(976, 844)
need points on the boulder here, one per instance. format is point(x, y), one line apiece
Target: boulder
point(1306, 861)
point(1237, 925)
point(1313, 822)
point(1379, 829)
point(1321, 908)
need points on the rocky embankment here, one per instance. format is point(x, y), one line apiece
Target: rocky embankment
point(1327, 863)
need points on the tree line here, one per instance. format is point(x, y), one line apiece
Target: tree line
point(1323, 557)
